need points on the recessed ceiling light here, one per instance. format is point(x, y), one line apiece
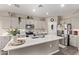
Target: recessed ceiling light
point(34, 10)
point(62, 5)
point(9, 4)
point(46, 13)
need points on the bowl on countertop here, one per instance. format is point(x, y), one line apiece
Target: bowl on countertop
point(18, 41)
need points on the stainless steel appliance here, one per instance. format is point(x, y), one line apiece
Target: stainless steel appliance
point(67, 32)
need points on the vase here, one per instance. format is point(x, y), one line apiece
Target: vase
point(14, 38)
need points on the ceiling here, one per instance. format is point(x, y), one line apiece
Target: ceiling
point(51, 9)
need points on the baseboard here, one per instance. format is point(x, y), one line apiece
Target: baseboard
point(62, 46)
point(53, 52)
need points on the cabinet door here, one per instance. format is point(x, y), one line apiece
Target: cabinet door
point(77, 41)
point(73, 41)
point(0, 43)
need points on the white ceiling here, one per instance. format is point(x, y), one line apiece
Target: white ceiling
point(52, 9)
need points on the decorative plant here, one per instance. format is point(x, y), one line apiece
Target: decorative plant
point(14, 31)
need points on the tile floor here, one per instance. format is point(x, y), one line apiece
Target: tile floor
point(70, 50)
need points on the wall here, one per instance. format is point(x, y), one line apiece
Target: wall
point(73, 20)
point(54, 23)
point(40, 25)
point(7, 22)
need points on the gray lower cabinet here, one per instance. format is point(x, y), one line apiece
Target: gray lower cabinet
point(74, 40)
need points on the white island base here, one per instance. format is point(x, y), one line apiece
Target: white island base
point(40, 49)
point(39, 46)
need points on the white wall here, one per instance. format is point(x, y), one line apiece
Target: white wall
point(73, 20)
point(54, 30)
point(6, 22)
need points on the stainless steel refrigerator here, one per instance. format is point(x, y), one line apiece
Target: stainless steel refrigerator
point(67, 32)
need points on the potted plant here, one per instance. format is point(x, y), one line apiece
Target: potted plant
point(14, 32)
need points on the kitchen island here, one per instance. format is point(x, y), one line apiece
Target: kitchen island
point(38, 46)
